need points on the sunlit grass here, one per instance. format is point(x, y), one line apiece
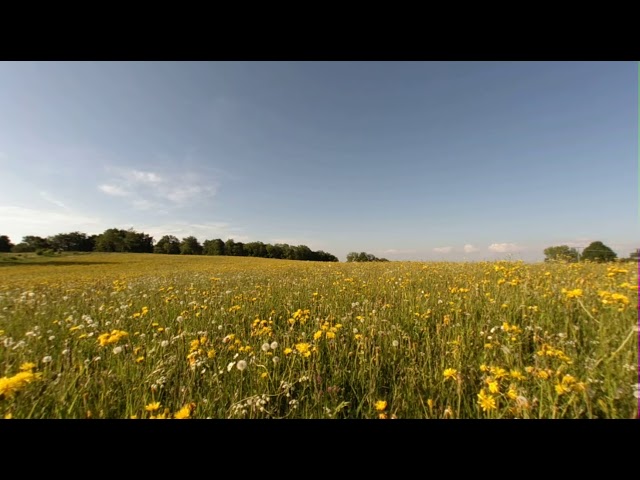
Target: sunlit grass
point(161, 336)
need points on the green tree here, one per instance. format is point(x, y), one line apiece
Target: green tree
point(138, 242)
point(69, 242)
point(168, 244)
point(190, 246)
point(111, 240)
point(561, 253)
point(598, 252)
point(5, 244)
point(213, 247)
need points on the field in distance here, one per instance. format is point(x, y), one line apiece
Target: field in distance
point(172, 336)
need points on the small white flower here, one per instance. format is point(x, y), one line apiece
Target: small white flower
point(355, 330)
point(117, 350)
point(47, 359)
point(164, 343)
point(275, 359)
point(65, 352)
point(52, 338)
point(230, 366)
point(274, 345)
point(179, 319)
point(265, 347)
point(395, 343)
point(241, 365)
point(636, 390)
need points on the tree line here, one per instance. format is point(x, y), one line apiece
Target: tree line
point(594, 252)
point(130, 241)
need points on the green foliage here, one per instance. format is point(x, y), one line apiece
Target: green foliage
point(598, 252)
point(190, 246)
point(561, 253)
point(168, 244)
point(5, 244)
point(118, 240)
point(364, 257)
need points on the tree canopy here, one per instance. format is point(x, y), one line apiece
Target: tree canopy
point(598, 252)
point(364, 257)
point(561, 253)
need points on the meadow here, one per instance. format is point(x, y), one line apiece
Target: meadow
point(140, 336)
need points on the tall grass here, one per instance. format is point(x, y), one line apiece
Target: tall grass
point(223, 337)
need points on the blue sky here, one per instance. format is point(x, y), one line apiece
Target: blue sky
point(406, 160)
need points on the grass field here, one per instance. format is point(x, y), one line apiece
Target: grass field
point(159, 336)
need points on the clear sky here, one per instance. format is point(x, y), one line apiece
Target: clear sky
point(405, 160)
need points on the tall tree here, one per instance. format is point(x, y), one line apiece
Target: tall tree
point(5, 244)
point(561, 253)
point(167, 244)
point(190, 246)
point(213, 247)
point(598, 252)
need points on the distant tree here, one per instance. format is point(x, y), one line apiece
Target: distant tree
point(633, 256)
point(598, 252)
point(274, 251)
point(168, 244)
point(111, 240)
point(238, 250)
point(190, 246)
point(31, 243)
point(138, 242)
point(228, 246)
point(69, 242)
point(364, 257)
point(5, 244)
point(213, 247)
point(561, 253)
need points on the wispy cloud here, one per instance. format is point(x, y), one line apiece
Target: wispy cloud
point(468, 248)
point(113, 190)
point(28, 221)
point(505, 248)
point(443, 249)
point(202, 231)
point(50, 199)
point(147, 189)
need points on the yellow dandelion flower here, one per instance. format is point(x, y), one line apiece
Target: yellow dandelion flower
point(486, 402)
point(450, 373)
point(152, 407)
point(317, 335)
point(331, 335)
point(184, 412)
point(288, 351)
point(139, 359)
point(381, 405)
point(27, 366)
point(382, 416)
point(494, 387)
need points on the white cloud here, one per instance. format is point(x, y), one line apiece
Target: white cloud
point(50, 199)
point(202, 231)
point(505, 248)
point(113, 190)
point(136, 176)
point(19, 222)
point(468, 248)
point(151, 190)
point(443, 249)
